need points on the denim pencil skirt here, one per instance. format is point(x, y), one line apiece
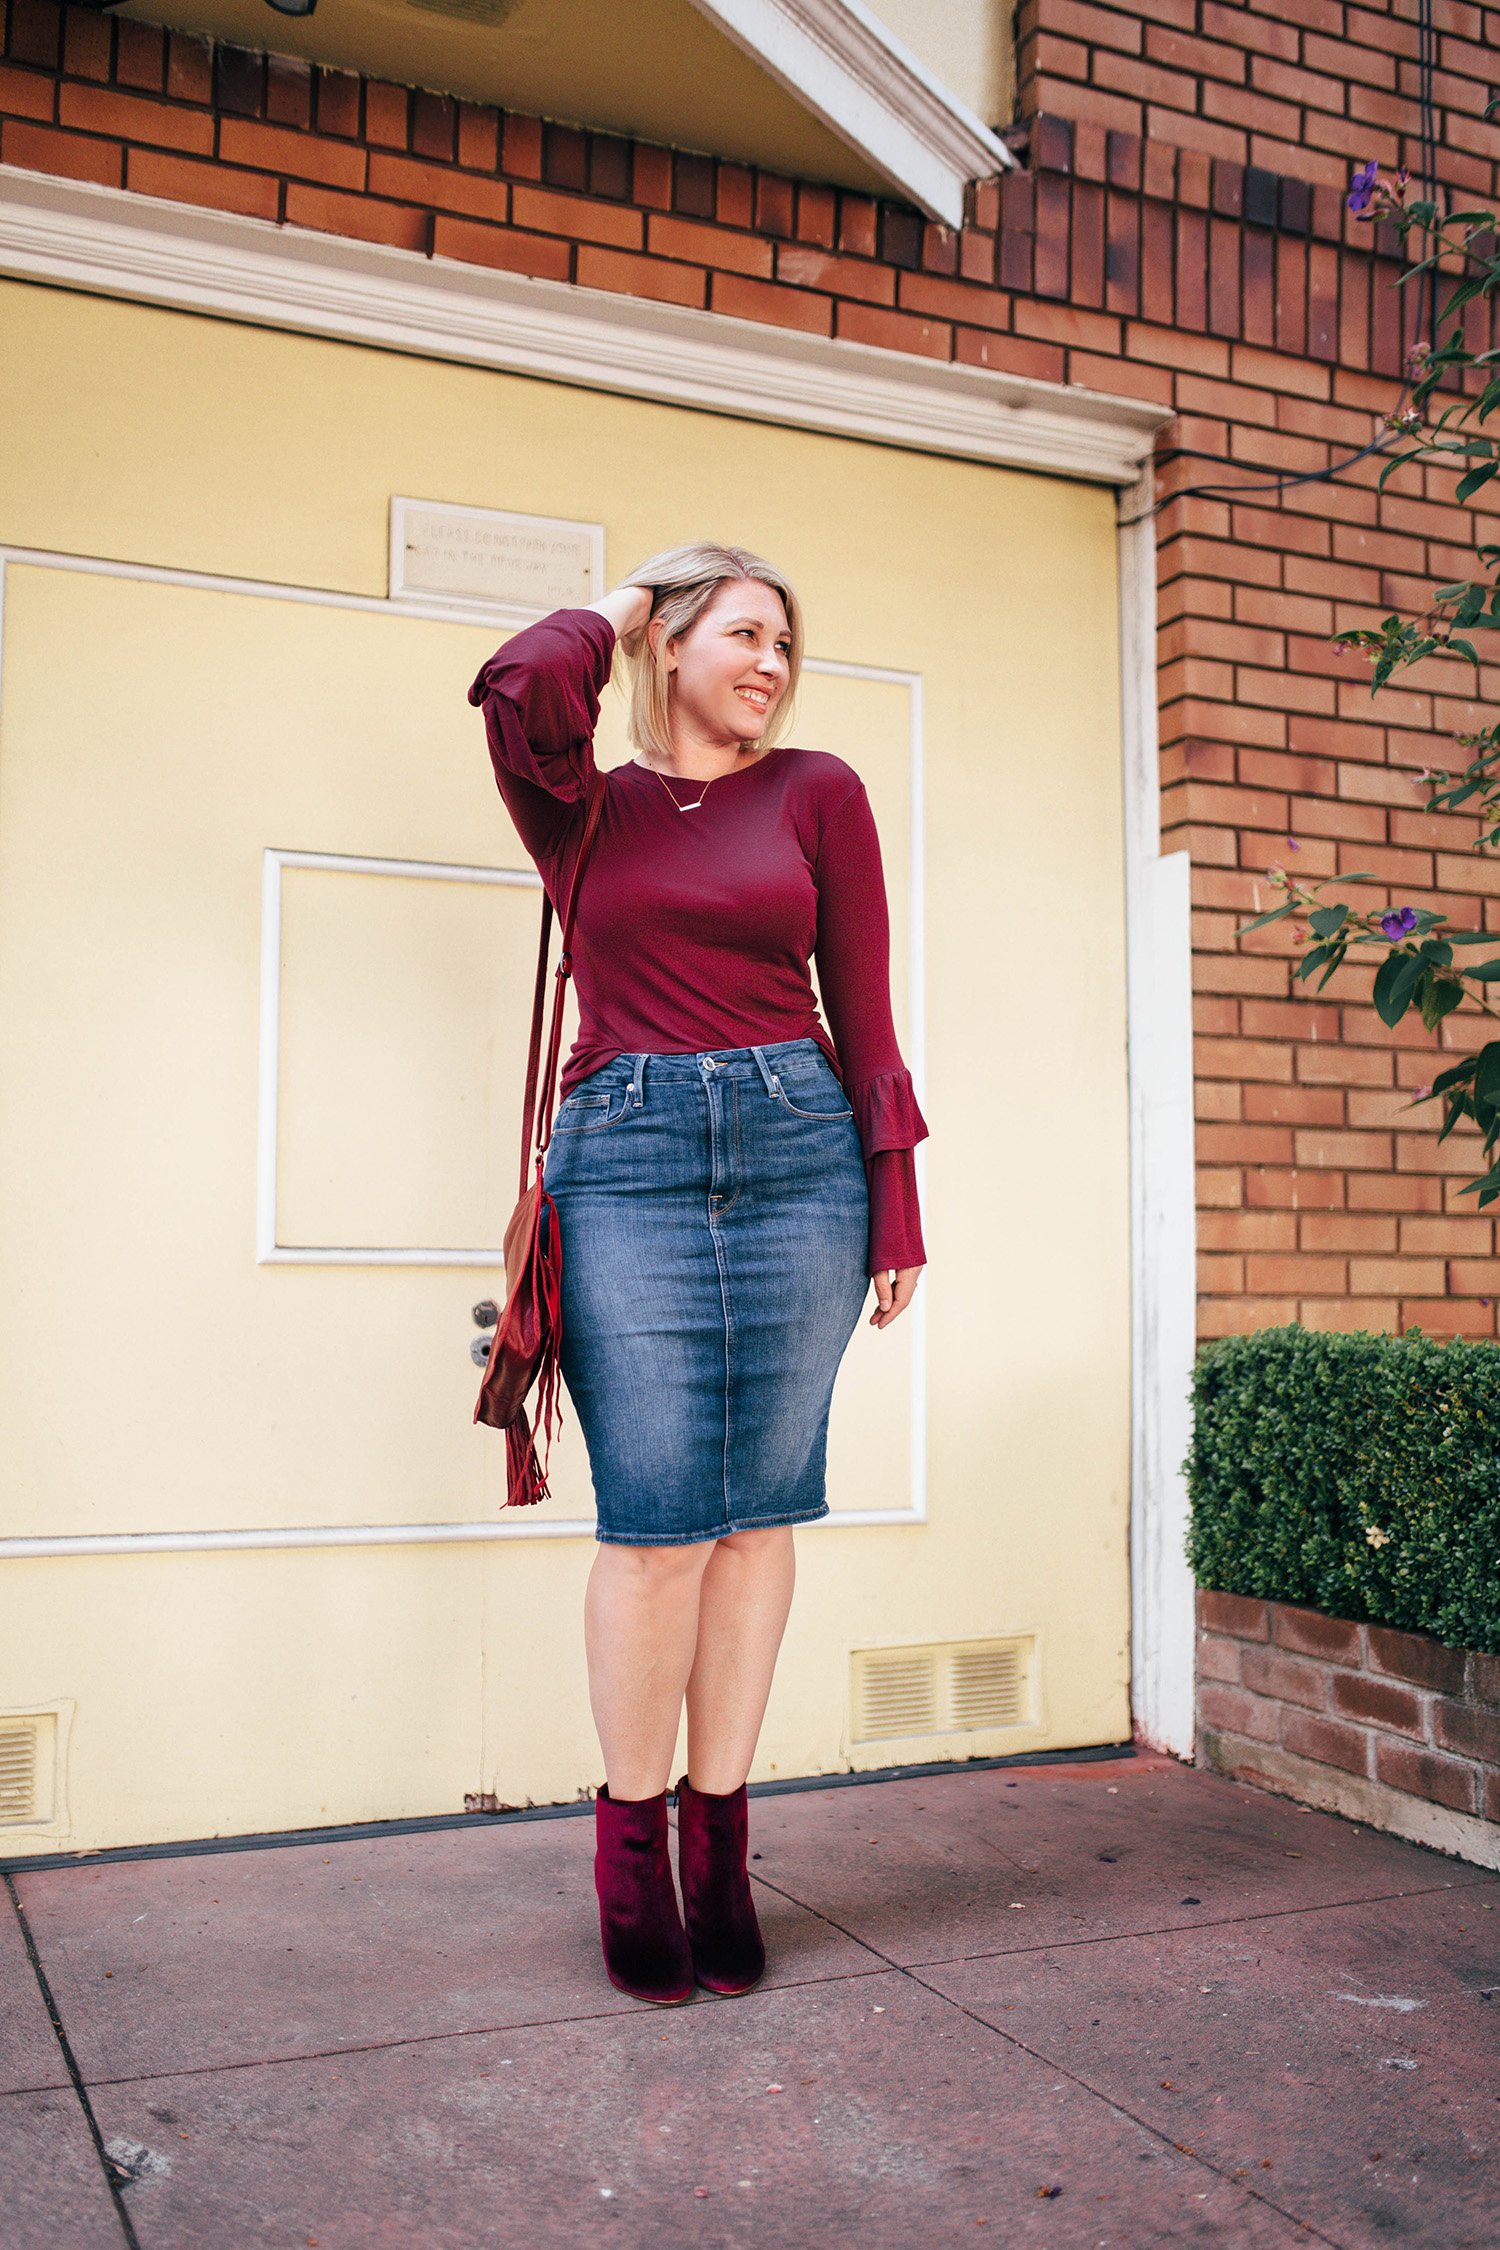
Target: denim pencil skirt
point(715, 1224)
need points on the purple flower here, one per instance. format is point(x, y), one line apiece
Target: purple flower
point(1399, 924)
point(1362, 188)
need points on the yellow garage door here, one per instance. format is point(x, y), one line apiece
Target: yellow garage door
point(266, 942)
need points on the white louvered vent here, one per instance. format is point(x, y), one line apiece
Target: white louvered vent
point(19, 1770)
point(948, 1687)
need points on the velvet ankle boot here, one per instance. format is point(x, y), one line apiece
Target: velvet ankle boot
point(713, 1834)
point(645, 1947)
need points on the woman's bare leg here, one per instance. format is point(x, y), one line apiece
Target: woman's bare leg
point(743, 1601)
point(640, 1629)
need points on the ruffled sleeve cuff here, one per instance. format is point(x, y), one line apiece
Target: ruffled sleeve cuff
point(885, 1110)
point(540, 697)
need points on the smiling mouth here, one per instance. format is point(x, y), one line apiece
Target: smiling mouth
point(757, 698)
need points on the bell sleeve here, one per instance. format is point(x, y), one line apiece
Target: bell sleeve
point(540, 698)
point(853, 956)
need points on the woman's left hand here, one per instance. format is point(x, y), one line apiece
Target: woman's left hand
point(893, 1293)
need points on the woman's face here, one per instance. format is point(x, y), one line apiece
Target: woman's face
point(731, 669)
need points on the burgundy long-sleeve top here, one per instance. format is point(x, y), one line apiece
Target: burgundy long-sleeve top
point(695, 931)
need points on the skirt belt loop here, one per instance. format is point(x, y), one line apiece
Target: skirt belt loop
point(773, 1083)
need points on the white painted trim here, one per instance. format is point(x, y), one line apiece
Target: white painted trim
point(268, 1251)
point(365, 1535)
point(108, 242)
point(1162, 1177)
point(843, 64)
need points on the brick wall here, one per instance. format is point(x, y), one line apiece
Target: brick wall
point(1395, 1709)
point(1292, 86)
point(1177, 232)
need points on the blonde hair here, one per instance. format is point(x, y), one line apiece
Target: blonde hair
point(683, 582)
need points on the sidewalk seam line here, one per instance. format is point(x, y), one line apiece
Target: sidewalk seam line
point(439, 2038)
point(112, 2172)
point(1094, 2092)
point(1186, 1929)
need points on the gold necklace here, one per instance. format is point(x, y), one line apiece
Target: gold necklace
point(697, 801)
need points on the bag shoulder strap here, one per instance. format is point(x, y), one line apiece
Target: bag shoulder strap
point(536, 1116)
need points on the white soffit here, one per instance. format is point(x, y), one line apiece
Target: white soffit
point(111, 243)
point(869, 89)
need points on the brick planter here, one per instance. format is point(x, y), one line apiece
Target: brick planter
point(1390, 1728)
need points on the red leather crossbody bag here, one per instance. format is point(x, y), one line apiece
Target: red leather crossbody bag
point(527, 1343)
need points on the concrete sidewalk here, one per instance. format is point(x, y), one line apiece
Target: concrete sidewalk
point(1117, 2003)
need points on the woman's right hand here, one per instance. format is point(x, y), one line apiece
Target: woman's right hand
point(627, 609)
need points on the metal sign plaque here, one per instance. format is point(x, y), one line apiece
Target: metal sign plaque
point(485, 559)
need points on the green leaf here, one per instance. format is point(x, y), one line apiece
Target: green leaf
point(1486, 973)
point(1395, 983)
point(1326, 919)
point(1277, 914)
point(1315, 960)
point(1439, 997)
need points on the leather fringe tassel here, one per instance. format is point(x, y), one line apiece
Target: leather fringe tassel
point(525, 1475)
point(525, 1482)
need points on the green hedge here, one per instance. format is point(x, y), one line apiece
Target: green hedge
point(1359, 1475)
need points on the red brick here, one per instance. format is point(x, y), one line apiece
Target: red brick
point(1218, 1658)
point(190, 67)
point(184, 179)
point(693, 242)
point(26, 93)
point(544, 211)
point(86, 49)
point(1246, 1619)
point(140, 55)
point(338, 103)
point(1235, 1711)
point(803, 268)
point(69, 156)
point(302, 156)
point(894, 331)
point(954, 300)
point(1415, 1657)
point(1310, 1633)
point(361, 216)
point(1471, 1733)
point(625, 274)
point(1011, 355)
point(744, 298)
point(1426, 1774)
point(288, 91)
point(386, 109)
point(34, 30)
point(1287, 1679)
point(545, 256)
point(1380, 1703)
point(1329, 1741)
point(405, 179)
point(133, 117)
point(478, 137)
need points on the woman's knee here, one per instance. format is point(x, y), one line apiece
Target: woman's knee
point(655, 1569)
point(771, 1539)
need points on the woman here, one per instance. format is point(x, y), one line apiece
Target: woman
point(727, 1177)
